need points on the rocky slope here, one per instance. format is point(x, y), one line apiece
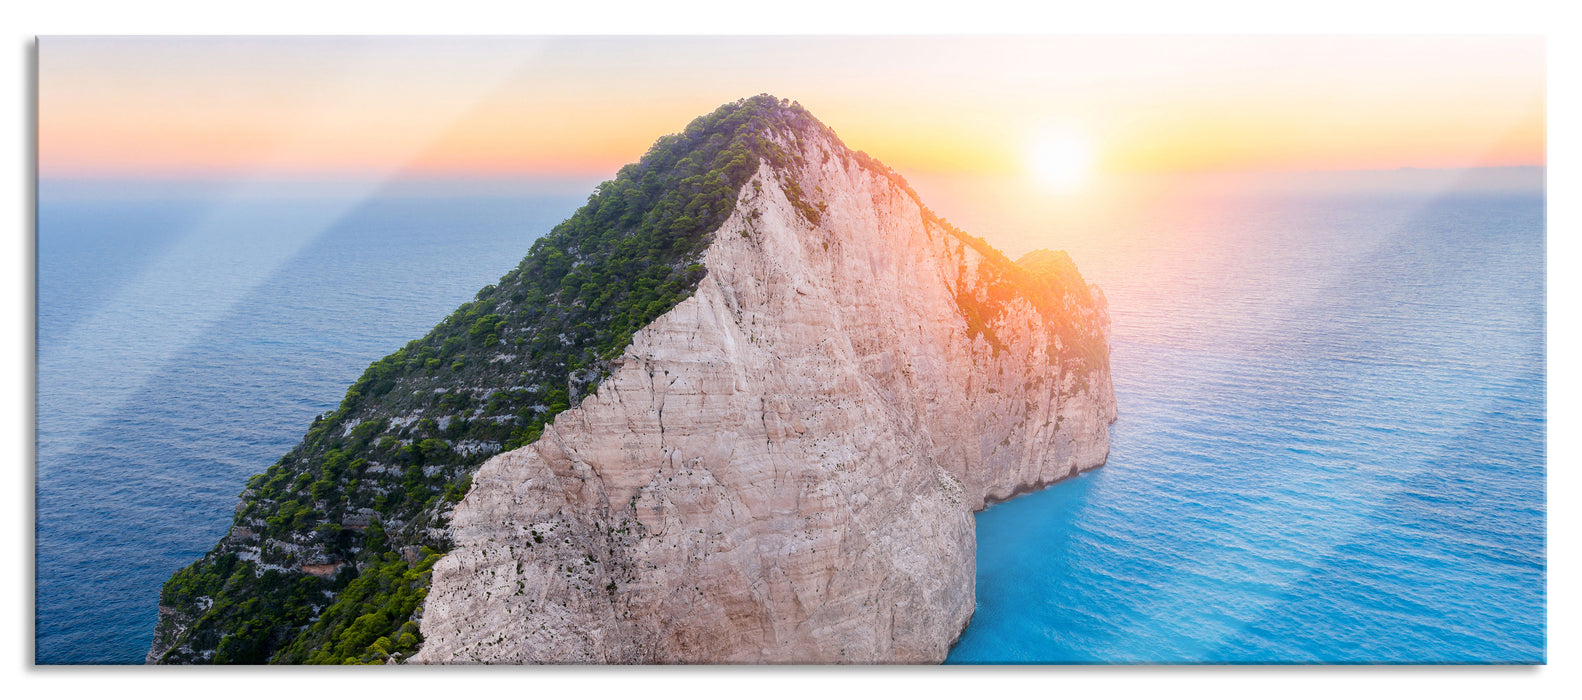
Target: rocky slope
point(783, 467)
point(327, 557)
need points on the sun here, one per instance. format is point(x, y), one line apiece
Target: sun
point(1059, 161)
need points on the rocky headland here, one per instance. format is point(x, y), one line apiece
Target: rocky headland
point(780, 466)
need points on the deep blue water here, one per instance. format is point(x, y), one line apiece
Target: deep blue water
point(1330, 446)
point(1331, 443)
point(186, 345)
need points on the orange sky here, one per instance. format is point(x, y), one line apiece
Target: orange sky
point(376, 107)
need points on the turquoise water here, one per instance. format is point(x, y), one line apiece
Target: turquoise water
point(1330, 447)
point(1331, 443)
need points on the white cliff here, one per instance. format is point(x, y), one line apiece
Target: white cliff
point(783, 468)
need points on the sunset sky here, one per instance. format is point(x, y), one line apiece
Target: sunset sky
point(381, 108)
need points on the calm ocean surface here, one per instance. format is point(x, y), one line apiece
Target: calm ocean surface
point(1330, 446)
point(186, 346)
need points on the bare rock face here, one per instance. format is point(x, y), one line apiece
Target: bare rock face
point(783, 468)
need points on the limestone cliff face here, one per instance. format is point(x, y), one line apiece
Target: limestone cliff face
point(783, 468)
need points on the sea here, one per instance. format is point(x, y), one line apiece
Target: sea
point(1330, 445)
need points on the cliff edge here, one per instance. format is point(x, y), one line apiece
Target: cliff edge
point(783, 467)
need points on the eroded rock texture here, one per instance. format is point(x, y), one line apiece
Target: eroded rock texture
point(783, 468)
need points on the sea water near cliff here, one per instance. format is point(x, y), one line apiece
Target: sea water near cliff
point(1331, 442)
point(185, 344)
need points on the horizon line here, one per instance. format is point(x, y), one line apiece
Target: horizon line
point(228, 178)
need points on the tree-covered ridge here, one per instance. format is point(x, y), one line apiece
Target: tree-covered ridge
point(331, 544)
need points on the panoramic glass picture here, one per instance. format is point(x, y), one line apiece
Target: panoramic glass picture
point(791, 350)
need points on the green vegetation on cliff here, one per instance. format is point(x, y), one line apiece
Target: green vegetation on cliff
point(330, 549)
point(330, 552)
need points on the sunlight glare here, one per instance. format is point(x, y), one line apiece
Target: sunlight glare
point(1059, 162)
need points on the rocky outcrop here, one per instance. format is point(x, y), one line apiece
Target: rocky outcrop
point(783, 467)
point(170, 622)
